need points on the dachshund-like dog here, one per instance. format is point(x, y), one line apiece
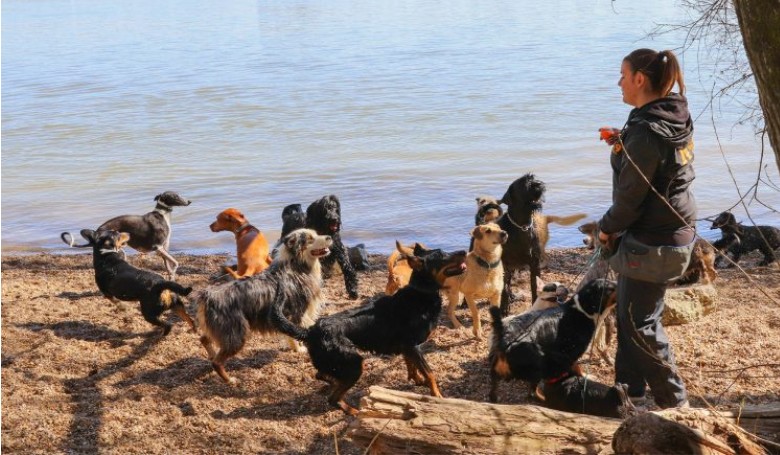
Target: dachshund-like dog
point(545, 345)
point(398, 270)
point(148, 233)
point(738, 239)
point(523, 199)
point(227, 313)
point(118, 280)
point(251, 245)
point(391, 325)
point(584, 396)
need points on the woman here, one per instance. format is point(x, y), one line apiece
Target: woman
point(656, 143)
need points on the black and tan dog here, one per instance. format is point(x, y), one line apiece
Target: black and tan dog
point(545, 345)
point(324, 216)
point(738, 239)
point(118, 280)
point(523, 199)
point(581, 395)
point(391, 325)
point(228, 312)
point(150, 232)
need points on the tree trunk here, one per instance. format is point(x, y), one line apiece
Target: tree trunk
point(758, 23)
point(392, 422)
point(411, 423)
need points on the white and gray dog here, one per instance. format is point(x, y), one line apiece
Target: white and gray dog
point(228, 312)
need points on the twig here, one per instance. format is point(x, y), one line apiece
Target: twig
point(377, 435)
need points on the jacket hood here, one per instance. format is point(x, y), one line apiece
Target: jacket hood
point(668, 117)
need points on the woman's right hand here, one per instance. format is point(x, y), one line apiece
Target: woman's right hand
point(609, 135)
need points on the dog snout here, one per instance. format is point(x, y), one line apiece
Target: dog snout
point(214, 226)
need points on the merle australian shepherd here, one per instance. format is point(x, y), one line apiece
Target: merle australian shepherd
point(228, 312)
point(390, 325)
point(118, 280)
point(546, 344)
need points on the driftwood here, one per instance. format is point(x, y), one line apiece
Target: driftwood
point(392, 422)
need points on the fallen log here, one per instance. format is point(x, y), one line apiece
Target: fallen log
point(392, 422)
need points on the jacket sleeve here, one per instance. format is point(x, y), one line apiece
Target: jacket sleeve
point(630, 189)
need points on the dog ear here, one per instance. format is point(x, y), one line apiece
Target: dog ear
point(156, 198)
point(124, 237)
point(90, 235)
point(293, 239)
point(476, 232)
point(419, 250)
point(404, 250)
point(415, 262)
point(506, 199)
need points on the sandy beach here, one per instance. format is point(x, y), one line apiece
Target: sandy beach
point(83, 375)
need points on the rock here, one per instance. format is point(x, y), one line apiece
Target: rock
point(689, 303)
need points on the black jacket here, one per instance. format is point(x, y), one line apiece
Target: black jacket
point(659, 138)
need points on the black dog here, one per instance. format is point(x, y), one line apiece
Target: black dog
point(148, 233)
point(739, 239)
point(546, 344)
point(117, 279)
point(523, 197)
point(324, 216)
point(391, 325)
point(584, 396)
point(293, 218)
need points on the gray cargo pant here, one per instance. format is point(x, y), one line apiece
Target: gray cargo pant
point(639, 309)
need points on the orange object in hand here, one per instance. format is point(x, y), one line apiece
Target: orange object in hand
point(606, 133)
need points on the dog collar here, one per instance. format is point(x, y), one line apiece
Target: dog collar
point(242, 227)
point(163, 207)
point(486, 264)
point(578, 307)
point(558, 378)
point(521, 227)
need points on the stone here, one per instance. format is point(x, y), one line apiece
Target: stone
point(689, 303)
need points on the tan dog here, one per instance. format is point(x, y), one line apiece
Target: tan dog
point(251, 245)
point(541, 222)
point(398, 269)
point(484, 276)
point(551, 295)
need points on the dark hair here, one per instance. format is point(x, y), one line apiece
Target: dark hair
point(661, 68)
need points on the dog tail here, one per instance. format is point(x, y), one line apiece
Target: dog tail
point(170, 286)
point(67, 237)
point(280, 321)
point(498, 329)
point(565, 220)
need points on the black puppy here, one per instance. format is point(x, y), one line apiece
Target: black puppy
point(117, 279)
point(324, 216)
point(391, 325)
point(148, 233)
point(739, 239)
point(523, 197)
point(546, 344)
point(584, 396)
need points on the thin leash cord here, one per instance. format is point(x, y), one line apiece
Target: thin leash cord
point(677, 214)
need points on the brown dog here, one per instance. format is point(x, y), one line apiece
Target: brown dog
point(483, 278)
point(398, 269)
point(251, 245)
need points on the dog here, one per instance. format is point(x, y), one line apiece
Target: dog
point(488, 210)
point(523, 199)
point(251, 245)
point(390, 325)
point(228, 312)
point(398, 270)
point(765, 239)
point(148, 233)
point(324, 216)
point(293, 218)
point(484, 276)
point(552, 294)
point(118, 280)
point(545, 345)
point(584, 396)
point(541, 224)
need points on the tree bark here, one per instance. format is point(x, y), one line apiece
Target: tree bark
point(758, 23)
point(392, 422)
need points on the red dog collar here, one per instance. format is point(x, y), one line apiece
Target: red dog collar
point(559, 378)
